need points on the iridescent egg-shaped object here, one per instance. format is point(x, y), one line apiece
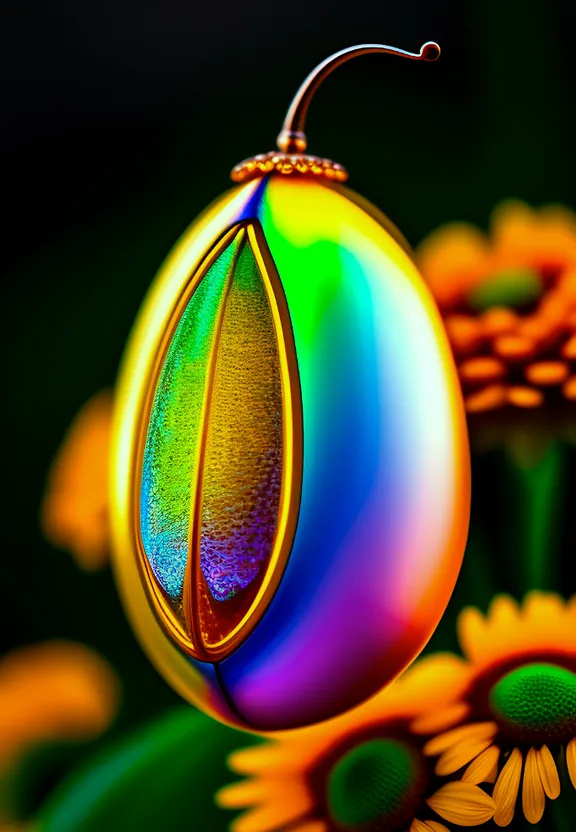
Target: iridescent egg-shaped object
point(291, 469)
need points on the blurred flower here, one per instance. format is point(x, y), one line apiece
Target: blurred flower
point(518, 712)
point(363, 770)
point(509, 305)
point(54, 690)
point(75, 508)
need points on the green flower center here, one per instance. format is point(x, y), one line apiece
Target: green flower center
point(379, 780)
point(536, 703)
point(511, 287)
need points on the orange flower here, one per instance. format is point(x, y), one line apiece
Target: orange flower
point(517, 716)
point(509, 305)
point(55, 690)
point(363, 770)
point(75, 508)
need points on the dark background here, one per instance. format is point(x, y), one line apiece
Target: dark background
point(121, 122)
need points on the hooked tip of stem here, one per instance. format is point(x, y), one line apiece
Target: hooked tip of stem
point(292, 138)
point(429, 51)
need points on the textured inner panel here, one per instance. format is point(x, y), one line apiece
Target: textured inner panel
point(243, 462)
point(175, 427)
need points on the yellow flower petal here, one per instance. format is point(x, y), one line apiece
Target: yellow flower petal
point(473, 633)
point(503, 614)
point(54, 690)
point(475, 731)
point(428, 674)
point(282, 803)
point(431, 723)
point(253, 822)
point(543, 609)
point(427, 826)
point(544, 622)
point(75, 508)
point(571, 760)
point(270, 757)
point(310, 826)
point(462, 803)
point(548, 772)
point(461, 754)
point(483, 768)
point(533, 800)
point(273, 797)
point(548, 622)
point(510, 222)
point(506, 789)
point(243, 794)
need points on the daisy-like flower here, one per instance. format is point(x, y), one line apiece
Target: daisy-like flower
point(509, 305)
point(364, 770)
point(75, 508)
point(517, 724)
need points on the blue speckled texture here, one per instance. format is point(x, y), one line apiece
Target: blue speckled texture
point(171, 449)
point(220, 390)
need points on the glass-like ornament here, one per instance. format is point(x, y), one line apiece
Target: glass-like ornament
point(291, 483)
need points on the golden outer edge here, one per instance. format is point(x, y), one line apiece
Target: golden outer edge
point(140, 392)
point(144, 342)
point(287, 164)
point(156, 596)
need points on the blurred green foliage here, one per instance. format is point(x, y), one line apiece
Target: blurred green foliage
point(163, 776)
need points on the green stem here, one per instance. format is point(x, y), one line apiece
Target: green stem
point(479, 577)
point(537, 486)
point(560, 816)
point(562, 811)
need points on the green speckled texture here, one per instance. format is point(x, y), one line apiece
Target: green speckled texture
point(536, 702)
point(168, 466)
point(376, 782)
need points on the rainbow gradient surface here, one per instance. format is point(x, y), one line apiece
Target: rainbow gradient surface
point(385, 490)
point(174, 433)
point(215, 434)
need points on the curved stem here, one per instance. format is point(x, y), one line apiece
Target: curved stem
point(292, 139)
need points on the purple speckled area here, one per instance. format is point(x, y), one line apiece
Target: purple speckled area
point(243, 462)
point(230, 563)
